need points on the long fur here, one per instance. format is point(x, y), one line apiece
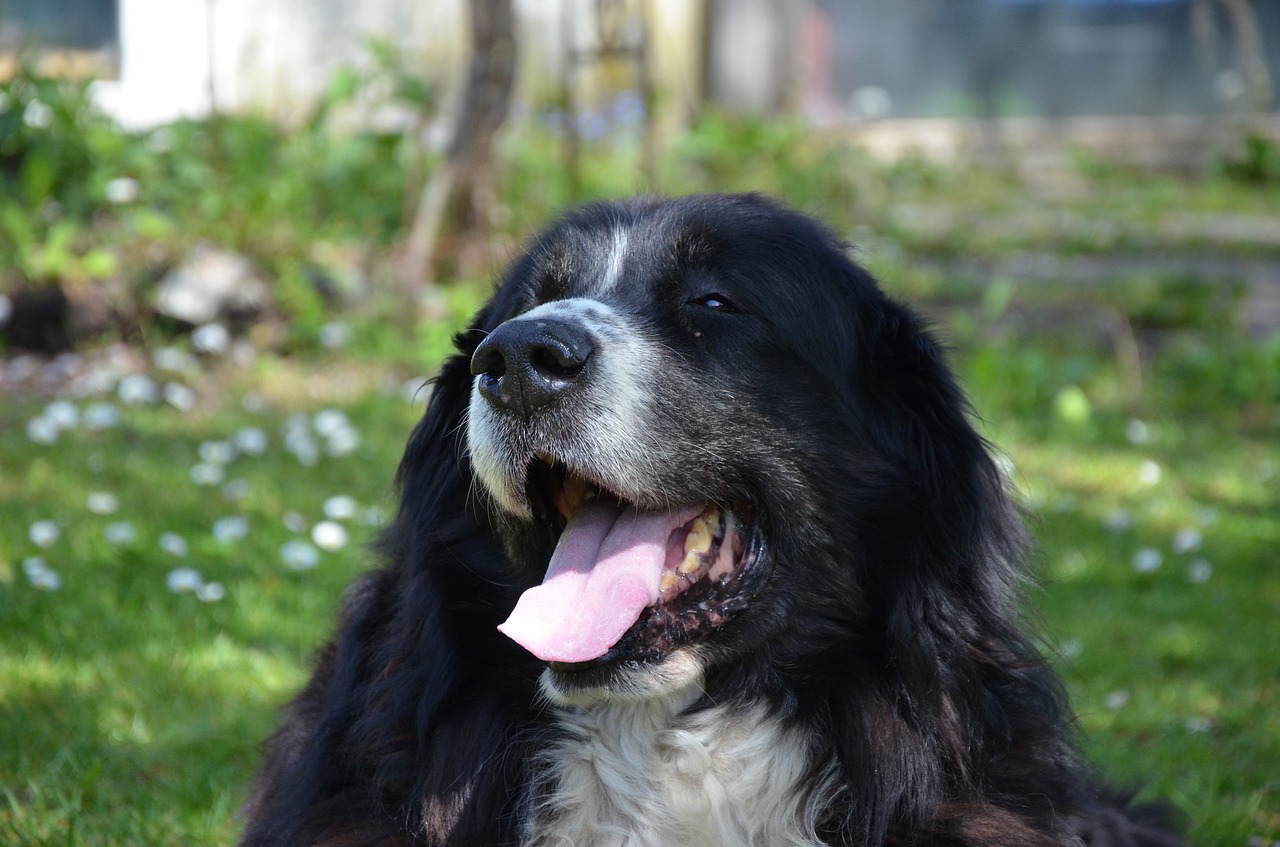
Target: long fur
point(644, 773)
point(877, 690)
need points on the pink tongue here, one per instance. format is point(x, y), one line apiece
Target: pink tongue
point(604, 572)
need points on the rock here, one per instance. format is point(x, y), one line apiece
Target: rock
point(212, 283)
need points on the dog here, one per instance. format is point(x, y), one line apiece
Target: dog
point(696, 545)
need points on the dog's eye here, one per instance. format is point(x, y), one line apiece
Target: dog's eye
point(715, 302)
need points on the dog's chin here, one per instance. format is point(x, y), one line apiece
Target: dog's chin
point(623, 680)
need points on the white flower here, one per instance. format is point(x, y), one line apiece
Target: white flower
point(62, 413)
point(329, 535)
point(230, 529)
point(343, 442)
point(1118, 520)
point(253, 403)
point(175, 360)
point(237, 489)
point(41, 430)
point(38, 115)
point(329, 421)
point(172, 543)
point(306, 452)
point(251, 441)
point(170, 358)
point(1186, 540)
point(138, 390)
point(40, 575)
point(298, 440)
point(1199, 571)
point(211, 592)
point(298, 555)
point(44, 533)
point(212, 338)
point(102, 503)
point(335, 334)
point(298, 422)
point(217, 452)
point(123, 189)
point(1117, 699)
point(1149, 473)
point(1137, 432)
point(1147, 560)
point(120, 532)
point(183, 579)
point(45, 580)
point(340, 507)
point(207, 474)
point(160, 140)
point(100, 416)
point(294, 522)
point(179, 396)
point(1197, 724)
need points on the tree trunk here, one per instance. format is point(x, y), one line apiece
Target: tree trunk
point(456, 199)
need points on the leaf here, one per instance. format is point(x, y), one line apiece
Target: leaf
point(100, 263)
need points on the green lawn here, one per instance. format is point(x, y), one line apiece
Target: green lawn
point(131, 713)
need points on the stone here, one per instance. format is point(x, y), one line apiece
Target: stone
point(212, 283)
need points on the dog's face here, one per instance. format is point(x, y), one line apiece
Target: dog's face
point(666, 419)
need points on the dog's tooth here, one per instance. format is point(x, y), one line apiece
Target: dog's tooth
point(691, 562)
point(669, 581)
point(699, 538)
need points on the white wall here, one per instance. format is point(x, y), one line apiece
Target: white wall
point(279, 55)
point(163, 63)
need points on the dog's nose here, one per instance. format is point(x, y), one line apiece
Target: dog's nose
point(525, 364)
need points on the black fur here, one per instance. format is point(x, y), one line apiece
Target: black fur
point(887, 623)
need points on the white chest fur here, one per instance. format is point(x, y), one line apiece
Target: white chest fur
point(643, 774)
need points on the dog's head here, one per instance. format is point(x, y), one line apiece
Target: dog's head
point(708, 434)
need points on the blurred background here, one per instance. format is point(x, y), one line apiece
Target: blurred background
point(236, 237)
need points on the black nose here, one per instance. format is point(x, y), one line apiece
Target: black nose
point(524, 364)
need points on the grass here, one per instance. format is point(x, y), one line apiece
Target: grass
point(1172, 672)
point(131, 714)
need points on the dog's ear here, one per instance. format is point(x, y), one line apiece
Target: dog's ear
point(957, 524)
point(928, 430)
point(946, 546)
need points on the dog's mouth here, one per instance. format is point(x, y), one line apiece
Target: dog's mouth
point(626, 582)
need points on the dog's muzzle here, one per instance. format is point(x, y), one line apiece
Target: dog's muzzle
point(527, 363)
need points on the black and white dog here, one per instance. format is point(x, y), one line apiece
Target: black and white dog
point(696, 546)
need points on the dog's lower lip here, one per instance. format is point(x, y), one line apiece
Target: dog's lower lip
point(607, 658)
